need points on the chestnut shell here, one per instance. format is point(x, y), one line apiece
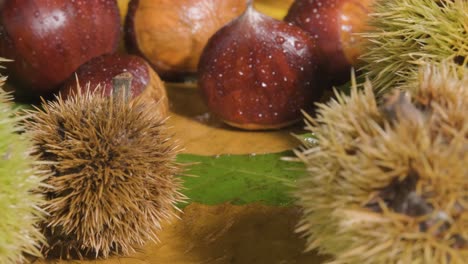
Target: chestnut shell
point(259, 73)
point(100, 71)
point(50, 39)
point(333, 24)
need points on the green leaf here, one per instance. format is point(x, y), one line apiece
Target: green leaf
point(241, 179)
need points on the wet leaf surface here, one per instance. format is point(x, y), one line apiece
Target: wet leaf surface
point(241, 179)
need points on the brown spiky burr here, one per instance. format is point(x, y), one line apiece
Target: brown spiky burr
point(114, 173)
point(387, 181)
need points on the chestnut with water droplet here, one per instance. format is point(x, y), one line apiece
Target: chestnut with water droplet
point(100, 72)
point(334, 24)
point(48, 40)
point(259, 73)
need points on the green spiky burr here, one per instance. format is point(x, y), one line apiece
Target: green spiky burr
point(407, 33)
point(19, 202)
point(387, 181)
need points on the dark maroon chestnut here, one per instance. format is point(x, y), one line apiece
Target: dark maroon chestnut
point(100, 72)
point(259, 73)
point(333, 24)
point(49, 39)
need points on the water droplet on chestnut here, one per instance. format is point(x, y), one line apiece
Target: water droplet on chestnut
point(273, 89)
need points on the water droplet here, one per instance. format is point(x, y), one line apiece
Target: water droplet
point(279, 39)
point(298, 45)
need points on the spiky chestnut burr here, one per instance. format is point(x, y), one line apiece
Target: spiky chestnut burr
point(113, 165)
point(406, 33)
point(388, 183)
point(19, 203)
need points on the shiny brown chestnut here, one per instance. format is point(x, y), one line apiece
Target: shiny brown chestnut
point(333, 24)
point(101, 71)
point(259, 73)
point(49, 39)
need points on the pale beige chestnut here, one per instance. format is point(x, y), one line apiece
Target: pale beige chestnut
point(172, 34)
